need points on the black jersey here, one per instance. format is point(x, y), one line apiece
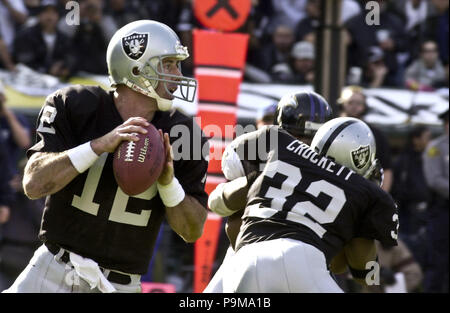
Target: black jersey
point(300, 195)
point(92, 216)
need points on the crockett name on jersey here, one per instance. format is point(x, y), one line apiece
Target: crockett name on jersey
point(295, 193)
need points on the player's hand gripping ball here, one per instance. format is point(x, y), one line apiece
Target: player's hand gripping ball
point(137, 165)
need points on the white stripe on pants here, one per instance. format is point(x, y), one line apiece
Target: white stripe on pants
point(279, 265)
point(46, 274)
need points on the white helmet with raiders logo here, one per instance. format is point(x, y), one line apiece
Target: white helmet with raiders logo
point(135, 55)
point(350, 142)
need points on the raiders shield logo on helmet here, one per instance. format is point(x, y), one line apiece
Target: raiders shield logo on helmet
point(360, 156)
point(134, 45)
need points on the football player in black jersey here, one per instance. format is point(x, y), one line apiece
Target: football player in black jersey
point(97, 238)
point(300, 113)
point(306, 208)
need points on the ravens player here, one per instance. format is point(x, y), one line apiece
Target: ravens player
point(97, 238)
point(301, 114)
point(309, 210)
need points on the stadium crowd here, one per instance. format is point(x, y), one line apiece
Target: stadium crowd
point(409, 49)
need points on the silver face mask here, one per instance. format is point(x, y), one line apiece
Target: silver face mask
point(187, 86)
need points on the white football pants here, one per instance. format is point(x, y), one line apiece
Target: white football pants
point(216, 283)
point(46, 274)
point(280, 266)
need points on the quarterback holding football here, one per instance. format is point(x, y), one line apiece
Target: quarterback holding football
point(97, 236)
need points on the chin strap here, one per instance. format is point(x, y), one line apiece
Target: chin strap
point(163, 104)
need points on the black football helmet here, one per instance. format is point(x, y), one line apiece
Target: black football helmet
point(302, 113)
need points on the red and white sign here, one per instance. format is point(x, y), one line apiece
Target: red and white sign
point(225, 15)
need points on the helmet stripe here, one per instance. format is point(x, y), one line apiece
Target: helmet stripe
point(322, 113)
point(333, 136)
point(313, 111)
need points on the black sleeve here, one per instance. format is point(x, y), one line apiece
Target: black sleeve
point(380, 221)
point(191, 172)
point(64, 117)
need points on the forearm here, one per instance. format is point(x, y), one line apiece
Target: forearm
point(338, 264)
point(47, 173)
point(20, 134)
point(229, 198)
point(187, 218)
point(235, 194)
point(360, 251)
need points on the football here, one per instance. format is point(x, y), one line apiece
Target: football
point(137, 165)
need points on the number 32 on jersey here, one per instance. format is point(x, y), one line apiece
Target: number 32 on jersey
point(298, 212)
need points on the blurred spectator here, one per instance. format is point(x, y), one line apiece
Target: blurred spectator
point(288, 12)
point(437, 27)
point(257, 28)
point(426, 73)
point(91, 38)
point(19, 236)
point(33, 6)
point(353, 104)
point(91, 13)
point(124, 12)
point(267, 117)
point(42, 47)
point(389, 35)
point(303, 56)
point(185, 24)
point(413, 13)
point(306, 28)
point(375, 71)
point(276, 52)
point(14, 131)
point(154, 10)
point(281, 73)
point(411, 192)
point(350, 8)
point(13, 13)
point(261, 14)
point(394, 261)
point(5, 57)
point(436, 170)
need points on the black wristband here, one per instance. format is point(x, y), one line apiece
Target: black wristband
point(361, 274)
